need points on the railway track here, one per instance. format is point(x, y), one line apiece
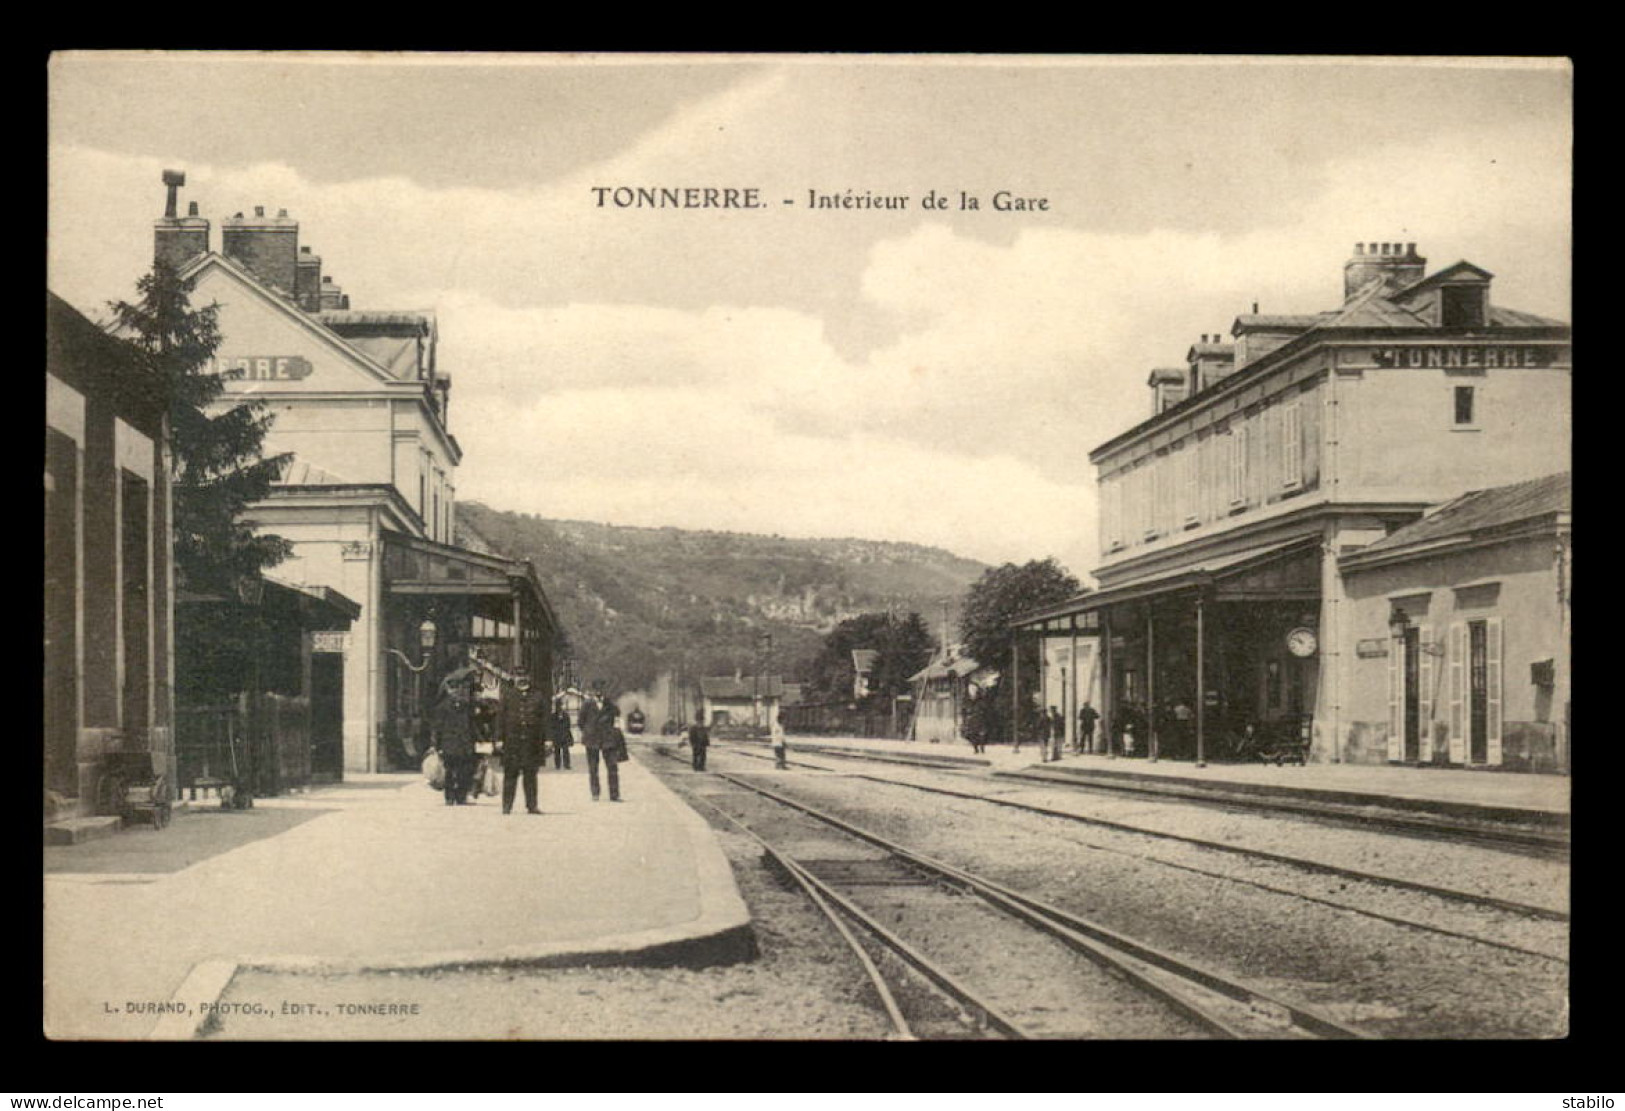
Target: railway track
point(1533, 842)
point(1450, 895)
point(1194, 1000)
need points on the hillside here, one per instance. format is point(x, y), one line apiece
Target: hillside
point(638, 601)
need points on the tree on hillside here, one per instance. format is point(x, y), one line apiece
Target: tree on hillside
point(905, 648)
point(902, 644)
point(992, 602)
point(218, 466)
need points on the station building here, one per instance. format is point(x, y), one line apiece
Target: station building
point(109, 588)
point(1265, 556)
point(369, 501)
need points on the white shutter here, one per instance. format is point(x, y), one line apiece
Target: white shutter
point(1425, 694)
point(1492, 685)
point(1458, 693)
point(1271, 420)
point(1238, 462)
point(1292, 448)
point(1396, 702)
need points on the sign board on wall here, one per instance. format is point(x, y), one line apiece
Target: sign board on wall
point(329, 641)
point(1457, 357)
point(264, 368)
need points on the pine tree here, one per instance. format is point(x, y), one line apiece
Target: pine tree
point(219, 467)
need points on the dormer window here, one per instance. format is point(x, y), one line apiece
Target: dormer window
point(1463, 306)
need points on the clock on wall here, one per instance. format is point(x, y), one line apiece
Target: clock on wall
point(1302, 641)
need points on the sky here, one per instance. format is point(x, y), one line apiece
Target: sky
point(928, 374)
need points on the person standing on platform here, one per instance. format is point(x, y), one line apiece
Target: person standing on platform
point(454, 735)
point(1087, 717)
point(523, 723)
point(600, 739)
point(780, 745)
point(560, 735)
point(699, 739)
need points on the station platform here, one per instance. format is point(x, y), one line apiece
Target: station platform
point(374, 874)
point(1541, 801)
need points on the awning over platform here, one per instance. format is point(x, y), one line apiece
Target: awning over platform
point(413, 565)
point(1287, 571)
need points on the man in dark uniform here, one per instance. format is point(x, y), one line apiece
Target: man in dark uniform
point(560, 735)
point(523, 723)
point(598, 737)
point(454, 734)
point(699, 739)
point(1087, 717)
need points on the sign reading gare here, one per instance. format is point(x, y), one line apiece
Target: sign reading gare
point(264, 368)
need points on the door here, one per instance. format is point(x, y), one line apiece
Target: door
point(327, 715)
point(1413, 691)
point(1478, 700)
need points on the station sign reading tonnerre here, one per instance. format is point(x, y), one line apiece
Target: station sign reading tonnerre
point(1463, 357)
point(264, 368)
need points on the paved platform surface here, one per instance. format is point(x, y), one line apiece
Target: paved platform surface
point(1440, 789)
point(377, 873)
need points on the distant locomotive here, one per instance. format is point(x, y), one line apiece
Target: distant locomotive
point(635, 721)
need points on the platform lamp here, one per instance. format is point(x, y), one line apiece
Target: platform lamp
point(427, 633)
point(1398, 623)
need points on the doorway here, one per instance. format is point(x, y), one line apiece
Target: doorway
point(1478, 736)
point(1413, 689)
point(327, 716)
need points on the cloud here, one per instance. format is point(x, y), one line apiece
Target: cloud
point(685, 367)
point(683, 458)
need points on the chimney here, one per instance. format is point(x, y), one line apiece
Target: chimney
point(1209, 361)
point(331, 296)
point(1169, 387)
point(1397, 264)
point(266, 246)
point(307, 279)
point(177, 240)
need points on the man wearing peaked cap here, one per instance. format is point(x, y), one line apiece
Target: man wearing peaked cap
point(523, 725)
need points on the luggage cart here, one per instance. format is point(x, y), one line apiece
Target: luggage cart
point(132, 788)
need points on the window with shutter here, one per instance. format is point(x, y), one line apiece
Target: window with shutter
point(1426, 678)
point(1493, 688)
point(1458, 693)
point(1238, 464)
point(1396, 717)
point(1292, 447)
point(1270, 419)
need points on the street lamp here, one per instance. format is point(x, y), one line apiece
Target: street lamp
point(426, 638)
point(764, 644)
point(1400, 623)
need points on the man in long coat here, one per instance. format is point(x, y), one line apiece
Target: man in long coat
point(600, 738)
point(523, 725)
point(454, 734)
point(560, 735)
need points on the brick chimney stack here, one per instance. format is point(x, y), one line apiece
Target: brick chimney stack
point(331, 296)
point(177, 240)
point(307, 289)
point(266, 246)
point(1397, 264)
